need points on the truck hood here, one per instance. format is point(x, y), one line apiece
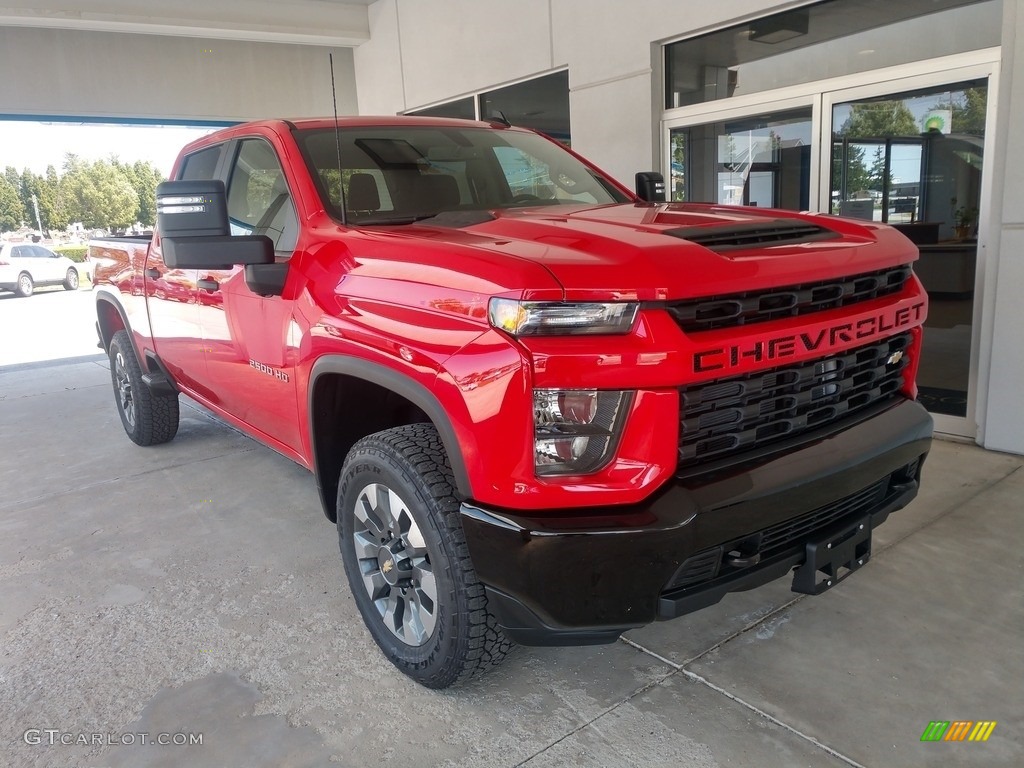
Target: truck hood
point(672, 251)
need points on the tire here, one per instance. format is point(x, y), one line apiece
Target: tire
point(25, 285)
point(148, 418)
point(71, 280)
point(407, 562)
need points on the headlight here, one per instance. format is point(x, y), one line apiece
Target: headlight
point(575, 430)
point(547, 318)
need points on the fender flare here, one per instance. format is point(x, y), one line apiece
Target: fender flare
point(110, 299)
point(411, 390)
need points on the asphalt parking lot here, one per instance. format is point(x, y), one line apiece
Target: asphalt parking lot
point(194, 590)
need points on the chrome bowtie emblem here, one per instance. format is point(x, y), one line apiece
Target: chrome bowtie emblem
point(388, 565)
point(894, 358)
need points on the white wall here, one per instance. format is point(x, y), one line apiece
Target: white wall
point(1002, 362)
point(306, 22)
point(63, 72)
point(420, 53)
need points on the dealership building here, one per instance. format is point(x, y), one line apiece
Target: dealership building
point(908, 113)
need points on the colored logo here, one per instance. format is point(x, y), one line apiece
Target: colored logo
point(958, 730)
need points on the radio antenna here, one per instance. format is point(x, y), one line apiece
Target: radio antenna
point(337, 141)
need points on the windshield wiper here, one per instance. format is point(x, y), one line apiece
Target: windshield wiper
point(390, 220)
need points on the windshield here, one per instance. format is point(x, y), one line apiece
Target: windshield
point(398, 175)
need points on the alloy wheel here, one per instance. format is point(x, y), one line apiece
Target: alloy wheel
point(394, 564)
point(124, 389)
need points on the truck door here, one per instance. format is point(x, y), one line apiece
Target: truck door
point(250, 357)
point(171, 296)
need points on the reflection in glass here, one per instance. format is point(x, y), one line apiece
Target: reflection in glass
point(914, 160)
point(764, 160)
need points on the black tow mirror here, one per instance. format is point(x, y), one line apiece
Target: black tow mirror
point(650, 186)
point(192, 209)
point(195, 233)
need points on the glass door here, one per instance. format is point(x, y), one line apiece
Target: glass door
point(761, 158)
point(914, 157)
point(909, 146)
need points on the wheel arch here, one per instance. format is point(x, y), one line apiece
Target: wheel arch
point(404, 401)
point(110, 319)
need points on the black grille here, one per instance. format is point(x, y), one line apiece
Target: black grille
point(732, 237)
point(755, 307)
point(777, 539)
point(729, 416)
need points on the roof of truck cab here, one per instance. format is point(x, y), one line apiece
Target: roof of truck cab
point(363, 121)
point(284, 125)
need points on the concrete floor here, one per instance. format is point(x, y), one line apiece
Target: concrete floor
point(196, 588)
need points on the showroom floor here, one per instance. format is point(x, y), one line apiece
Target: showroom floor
point(195, 588)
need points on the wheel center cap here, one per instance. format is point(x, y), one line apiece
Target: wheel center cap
point(388, 562)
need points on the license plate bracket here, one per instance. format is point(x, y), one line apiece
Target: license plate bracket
point(833, 556)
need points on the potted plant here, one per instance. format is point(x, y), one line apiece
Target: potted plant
point(964, 221)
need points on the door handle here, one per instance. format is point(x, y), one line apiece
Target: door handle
point(153, 274)
point(208, 285)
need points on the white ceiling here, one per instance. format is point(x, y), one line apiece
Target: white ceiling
point(307, 22)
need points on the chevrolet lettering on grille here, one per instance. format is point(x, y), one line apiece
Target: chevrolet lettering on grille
point(794, 344)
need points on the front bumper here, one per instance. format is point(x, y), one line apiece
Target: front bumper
point(584, 576)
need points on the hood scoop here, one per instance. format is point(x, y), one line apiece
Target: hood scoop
point(733, 237)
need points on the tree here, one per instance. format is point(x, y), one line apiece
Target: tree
point(99, 194)
point(12, 211)
point(45, 193)
point(879, 120)
point(969, 116)
point(876, 173)
point(147, 176)
point(56, 214)
point(858, 177)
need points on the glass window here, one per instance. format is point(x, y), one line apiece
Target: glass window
point(201, 164)
point(541, 104)
point(763, 161)
point(461, 108)
point(529, 178)
point(401, 175)
point(259, 202)
point(827, 39)
point(914, 160)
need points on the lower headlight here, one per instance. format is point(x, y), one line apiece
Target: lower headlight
point(576, 430)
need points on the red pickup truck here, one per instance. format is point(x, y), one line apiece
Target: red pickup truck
point(540, 407)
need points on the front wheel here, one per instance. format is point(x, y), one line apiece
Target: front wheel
point(406, 559)
point(148, 418)
point(71, 280)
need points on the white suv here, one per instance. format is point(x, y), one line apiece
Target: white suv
point(23, 266)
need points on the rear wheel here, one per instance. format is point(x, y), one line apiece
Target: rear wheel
point(148, 418)
point(25, 285)
point(71, 280)
point(406, 559)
